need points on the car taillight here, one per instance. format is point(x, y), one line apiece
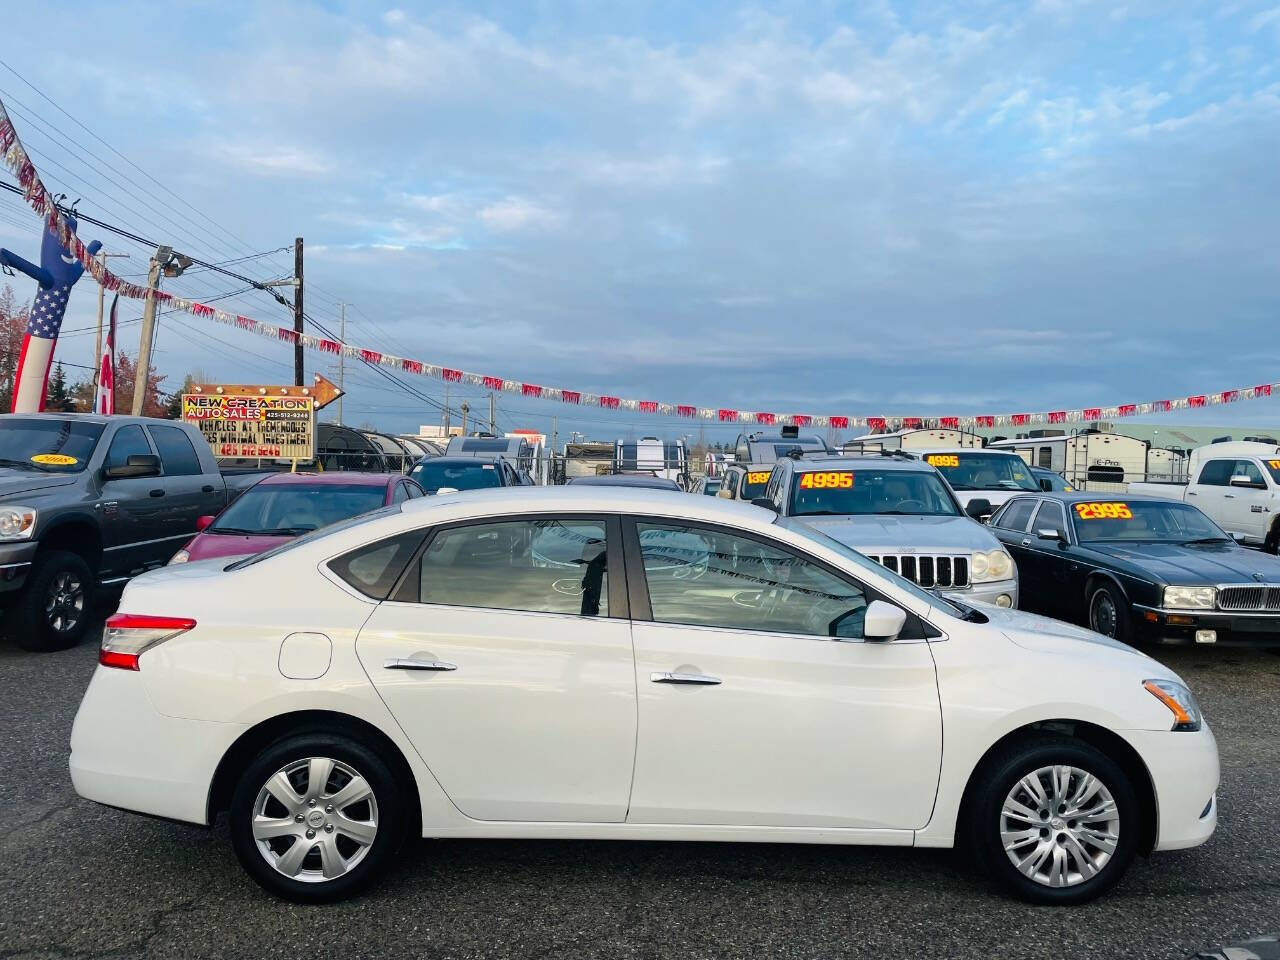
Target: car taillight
point(127, 635)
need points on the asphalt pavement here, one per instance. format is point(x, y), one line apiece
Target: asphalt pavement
point(79, 880)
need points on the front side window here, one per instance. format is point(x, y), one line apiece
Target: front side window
point(1016, 515)
point(1050, 517)
point(400, 494)
point(983, 471)
point(128, 442)
point(711, 578)
point(177, 455)
point(1247, 468)
point(542, 566)
point(870, 491)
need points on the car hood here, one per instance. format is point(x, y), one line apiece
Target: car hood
point(1204, 564)
point(15, 483)
point(1044, 635)
point(204, 546)
point(890, 534)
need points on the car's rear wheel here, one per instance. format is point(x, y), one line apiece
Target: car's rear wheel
point(316, 817)
point(1054, 820)
point(1109, 613)
point(53, 610)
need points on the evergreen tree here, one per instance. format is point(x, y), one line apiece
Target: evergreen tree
point(58, 399)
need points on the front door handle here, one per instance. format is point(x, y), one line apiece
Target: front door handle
point(409, 663)
point(1026, 542)
point(158, 492)
point(1228, 496)
point(207, 488)
point(701, 679)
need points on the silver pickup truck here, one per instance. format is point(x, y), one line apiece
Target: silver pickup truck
point(89, 501)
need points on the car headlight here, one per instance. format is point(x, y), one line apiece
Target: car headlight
point(17, 523)
point(1180, 701)
point(1190, 598)
point(991, 565)
point(180, 557)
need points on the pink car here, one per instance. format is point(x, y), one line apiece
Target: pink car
point(282, 506)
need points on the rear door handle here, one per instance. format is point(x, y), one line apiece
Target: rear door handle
point(700, 679)
point(409, 663)
point(157, 492)
point(1228, 496)
point(207, 488)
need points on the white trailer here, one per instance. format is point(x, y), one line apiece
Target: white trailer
point(911, 440)
point(1088, 461)
point(1166, 466)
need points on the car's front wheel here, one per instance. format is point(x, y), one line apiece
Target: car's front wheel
point(1054, 820)
point(52, 613)
point(316, 817)
point(1109, 612)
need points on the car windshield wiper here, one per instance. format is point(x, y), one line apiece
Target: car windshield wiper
point(234, 531)
point(821, 513)
point(1187, 543)
point(286, 531)
point(5, 462)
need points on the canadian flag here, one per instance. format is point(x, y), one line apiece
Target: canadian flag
point(104, 400)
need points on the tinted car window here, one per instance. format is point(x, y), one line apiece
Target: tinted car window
point(1247, 468)
point(58, 441)
point(375, 568)
point(707, 577)
point(177, 455)
point(1217, 473)
point(1050, 517)
point(401, 493)
point(1016, 515)
point(128, 442)
point(431, 475)
point(543, 566)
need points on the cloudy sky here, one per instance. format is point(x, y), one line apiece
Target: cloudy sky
point(908, 208)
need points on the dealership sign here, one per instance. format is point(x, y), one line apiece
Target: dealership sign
point(255, 420)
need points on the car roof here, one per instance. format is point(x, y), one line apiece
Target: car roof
point(591, 497)
point(1096, 496)
point(343, 477)
point(626, 480)
point(1003, 453)
point(464, 461)
point(810, 464)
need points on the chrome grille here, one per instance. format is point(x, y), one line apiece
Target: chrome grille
point(1260, 597)
point(928, 570)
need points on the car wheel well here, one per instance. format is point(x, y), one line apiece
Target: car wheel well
point(256, 739)
point(78, 537)
point(1114, 746)
point(1095, 579)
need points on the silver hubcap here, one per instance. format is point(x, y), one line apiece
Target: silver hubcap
point(315, 819)
point(64, 605)
point(1102, 615)
point(1060, 826)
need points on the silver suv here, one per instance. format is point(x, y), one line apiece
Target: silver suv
point(899, 512)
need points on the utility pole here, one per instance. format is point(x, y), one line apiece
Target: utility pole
point(465, 410)
point(148, 330)
point(97, 343)
point(555, 422)
point(342, 336)
point(493, 414)
point(446, 409)
point(297, 313)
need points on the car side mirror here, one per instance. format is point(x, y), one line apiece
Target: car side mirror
point(203, 523)
point(1240, 480)
point(978, 508)
point(883, 621)
point(136, 465)
point(440, 490)
point(766, 503)
point(1049, 533)
point(1237, 536)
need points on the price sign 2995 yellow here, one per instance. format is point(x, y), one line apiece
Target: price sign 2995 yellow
point(1104, 511)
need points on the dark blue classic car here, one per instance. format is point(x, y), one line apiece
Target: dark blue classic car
point(1139, 569)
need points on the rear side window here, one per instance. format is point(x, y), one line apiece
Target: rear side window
point(177, 455)
point(1017, 515)
point(374, 569)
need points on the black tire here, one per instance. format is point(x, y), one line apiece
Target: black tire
point(999, 777)
point(1103, 595)
point(387, 809)
point(1272, 543)
point(52, 612)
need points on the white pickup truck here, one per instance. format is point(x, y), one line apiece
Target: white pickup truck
point(1237, 485)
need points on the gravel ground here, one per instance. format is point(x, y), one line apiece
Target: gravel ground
point(80, 880)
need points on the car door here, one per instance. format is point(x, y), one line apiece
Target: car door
point(750, 712)
point(187, 493)
point(133, 518)
point(1248, 506)
point(505, 655)
point(1210, 488)
point(1011, 523)
point(1049, 561)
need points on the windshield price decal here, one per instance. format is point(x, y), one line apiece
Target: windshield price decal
point(54, 459)
point(1274, 464)
point(943, 460)
point(827, 480)
point(1104, 511)
point(758, 476)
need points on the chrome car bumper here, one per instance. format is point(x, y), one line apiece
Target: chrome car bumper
point(987, 593)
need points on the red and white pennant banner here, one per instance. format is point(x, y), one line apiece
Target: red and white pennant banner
point(40, 200)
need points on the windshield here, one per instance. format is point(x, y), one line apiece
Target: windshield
point(1273, 468)
point(314, 535)
point(870, 491)
point(277, 509)
point(432, 475)
point(1146, 520)
point(854, 557)
point(983, 471)
point(48, 446)
point(753, 484)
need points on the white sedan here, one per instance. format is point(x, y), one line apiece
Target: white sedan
point(598, 662)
